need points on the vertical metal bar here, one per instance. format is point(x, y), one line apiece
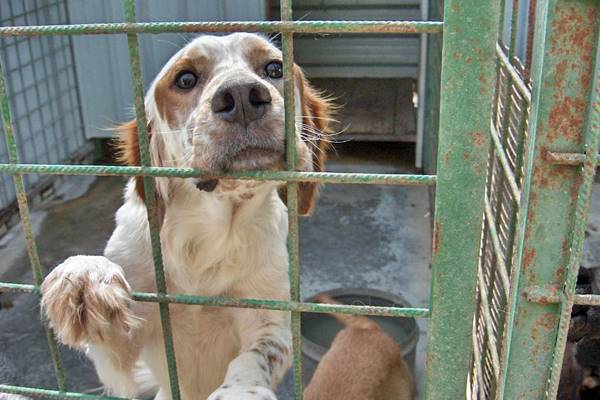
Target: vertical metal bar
point(468, 81)
point(150, 197)
point(588, 171)
point(561, 71)
point(13, 157)
point(287, 47)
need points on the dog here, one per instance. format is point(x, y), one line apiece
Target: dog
point(217, 105)
point(363, 363)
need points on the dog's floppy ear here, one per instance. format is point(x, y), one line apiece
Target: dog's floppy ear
point(316, 113)
point(128, 153)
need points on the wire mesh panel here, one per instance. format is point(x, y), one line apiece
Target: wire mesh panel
point(535, 207)
point(40, 77)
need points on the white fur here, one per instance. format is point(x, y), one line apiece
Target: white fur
point(230, 242)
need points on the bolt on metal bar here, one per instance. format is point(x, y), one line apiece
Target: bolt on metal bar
point(588, 172)
point(501, 154)
point(493, 232)
point(550, 295)
point(389, 27)
point(276, 305)
point(289, 176)
point(13, 156)
point(574, 159)
point(514, 75)
point(52, 394)
point(150, 197)
point(287, 48)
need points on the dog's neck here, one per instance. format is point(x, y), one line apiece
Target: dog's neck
point(222, 232)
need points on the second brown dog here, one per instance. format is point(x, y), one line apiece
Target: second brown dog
point(363, 363)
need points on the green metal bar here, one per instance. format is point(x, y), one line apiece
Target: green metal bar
point(467, 93)
point(219, 301)
point(549, 191)
point(13, 157)
point(391, 27)
point(550, 295)
point(588, 172)
point(150, 197)
point(568, 158)
point(287, 48)
point(51, 394)
point(290, 176)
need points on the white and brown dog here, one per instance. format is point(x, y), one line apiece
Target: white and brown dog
point(216, 105)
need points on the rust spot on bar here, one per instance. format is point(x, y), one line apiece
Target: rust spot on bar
point(478, 139)
point(528, 257)
point(436, 238)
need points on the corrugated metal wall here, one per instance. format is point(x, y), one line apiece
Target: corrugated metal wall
point(102, 61)
point(356, 56)
point(41, 84)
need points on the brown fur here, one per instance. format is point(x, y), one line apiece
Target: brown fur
point(316, 112)
point(363, 363)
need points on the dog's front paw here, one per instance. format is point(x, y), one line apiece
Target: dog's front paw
point(227, 392)
point(87, 300)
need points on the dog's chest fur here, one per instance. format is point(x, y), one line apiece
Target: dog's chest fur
point(212, 244)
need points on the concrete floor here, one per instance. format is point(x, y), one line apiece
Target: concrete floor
point(360, 236)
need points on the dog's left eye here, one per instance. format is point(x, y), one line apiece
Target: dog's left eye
point(186, 80)
point(274, 69)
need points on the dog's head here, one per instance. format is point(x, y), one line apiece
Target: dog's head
point(218, 105)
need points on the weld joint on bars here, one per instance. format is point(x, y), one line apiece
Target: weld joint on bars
point(516, 77)
point(289, 176)
point(551, 294)
point(501, 154)
point(391, 27)
point(235, 302)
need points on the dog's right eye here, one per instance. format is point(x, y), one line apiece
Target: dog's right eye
point(186, 80)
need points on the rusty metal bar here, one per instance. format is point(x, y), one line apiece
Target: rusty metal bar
point(552, 295)
point(467, 93)
point(150, 197)
point(391, 27)
point(220, 301)
point(289, 176)
point(587, 171)
point(574, 159)
point(547, 217)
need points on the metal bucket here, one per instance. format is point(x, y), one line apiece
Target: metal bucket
point(319, 330)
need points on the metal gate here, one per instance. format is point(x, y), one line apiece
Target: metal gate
point(511, 198)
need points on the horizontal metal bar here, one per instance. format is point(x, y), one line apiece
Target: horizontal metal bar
point(289, 176)
point(516, 78)
point(51, 394)
point(568, 158)
point(501, 154)
point(491, 224)
point(551, 295)
point(218, 301)
point(395, 27)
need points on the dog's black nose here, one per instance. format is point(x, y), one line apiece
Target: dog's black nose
point(241, 103)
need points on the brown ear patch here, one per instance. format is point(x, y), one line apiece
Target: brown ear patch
point(128, 150)
point(316, 111)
